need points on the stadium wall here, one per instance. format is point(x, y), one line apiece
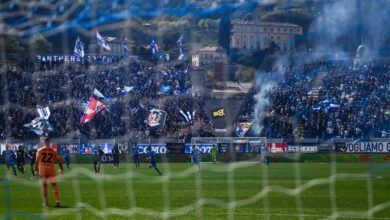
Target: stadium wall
point(250, 157)
point(340, 151)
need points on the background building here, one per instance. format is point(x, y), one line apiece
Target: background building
point(115, 45)
point(247, 35)
point(207, 56)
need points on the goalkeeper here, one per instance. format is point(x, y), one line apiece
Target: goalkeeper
point(213, 152)
point(44, 165)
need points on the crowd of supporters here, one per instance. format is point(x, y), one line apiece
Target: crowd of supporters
point(320, 100)
point(351, 102)
point(132, 88)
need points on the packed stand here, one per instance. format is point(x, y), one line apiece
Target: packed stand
point(351, 103)
point(131, 89)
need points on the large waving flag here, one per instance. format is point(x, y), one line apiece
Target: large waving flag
point(188, 116)
point(95, 105)
point(40, 125)
point(180, 43)
point(100, 97)
point(156, 118)
point(79, 48)
point(100, 41)
point(242, 128)
point(154, 47)
point(98, 94)
point(44, 112)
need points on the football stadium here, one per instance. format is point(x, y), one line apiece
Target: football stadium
point(194, 109)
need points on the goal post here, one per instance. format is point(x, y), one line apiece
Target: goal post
point(232, 148)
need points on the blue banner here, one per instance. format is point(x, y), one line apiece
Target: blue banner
point(203, 148)
point(106, 148)
point(73, 148)
point(88, 148)
point(158, 148)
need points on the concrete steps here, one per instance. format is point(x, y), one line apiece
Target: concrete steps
point(317, 84)
point(301, 130)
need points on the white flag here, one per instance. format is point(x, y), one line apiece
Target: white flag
point(44, 112)
point(79, 48)
point(100, 41)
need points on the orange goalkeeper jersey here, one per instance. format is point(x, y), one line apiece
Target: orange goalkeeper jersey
point(44, 162)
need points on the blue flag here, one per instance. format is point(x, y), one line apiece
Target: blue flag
point(79, 48)
point(125, 50)
point(154, 47)
point(40, 126)
point(101, 42)
point(166, 89)
point(327, 104)
point(180, 43)
point(180, 40)
point(242, 128)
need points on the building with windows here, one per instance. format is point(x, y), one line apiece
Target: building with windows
point(115, 46)
point(208, 56)
point(248, 35)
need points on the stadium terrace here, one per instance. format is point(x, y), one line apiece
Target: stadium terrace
point(198, 109)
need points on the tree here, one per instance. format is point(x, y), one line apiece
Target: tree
point(254, 59)
point(245, 74)
point(176, 25)
point(40, 45)
point(224, 32)
point(303, 17)
point(208, 24)
point(11, 48)
point(168, 40)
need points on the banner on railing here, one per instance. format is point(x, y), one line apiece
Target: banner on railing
point(277, 147)
point(203, 148)
point(232, 147)
point(158, 148)
point(366, 147)
point(73, 58)
point(73, 148)
point(302, 149)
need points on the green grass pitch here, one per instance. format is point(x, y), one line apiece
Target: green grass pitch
point(219, 191)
